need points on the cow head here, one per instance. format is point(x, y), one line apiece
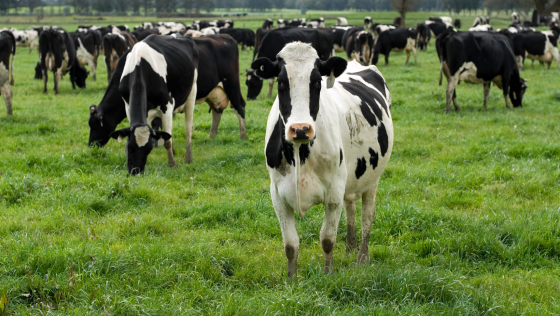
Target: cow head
point(299, 71)
point(140, 142)
point(516, 92)
point(80, 75)
point(99, 130)
point(364, 45)
point(367, 22)
point(254, 84)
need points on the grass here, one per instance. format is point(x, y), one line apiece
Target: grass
point(468, 210)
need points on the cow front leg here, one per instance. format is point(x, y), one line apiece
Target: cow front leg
point(328, 233)
point(93, 67)
point(242, 128)
point(351, 238)
point(508, 105)
point(167, 126)
point(57, 76)
point(6, 90)
point(415, 54)
point(189, 126)
point(486, 93)
point(451, 83)
point(45, 80)
point(270, 87)
point(287, 219)
point(368, 214)
point(216, 117)
point(387, 59)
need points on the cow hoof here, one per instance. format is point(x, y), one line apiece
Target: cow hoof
point(363, 259)
point(172, 165)
point(243, 136)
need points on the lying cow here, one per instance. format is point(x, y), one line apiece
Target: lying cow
point(114, 46)
point(88, 48)
point(397, 40)
point(7, 48)
point(479, 58)
point(327, 142)
point(359, 45)
point(58, 54)
point(158, 80)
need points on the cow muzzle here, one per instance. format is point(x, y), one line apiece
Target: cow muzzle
point(300, 133)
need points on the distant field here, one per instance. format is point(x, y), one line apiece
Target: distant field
point(468, 209)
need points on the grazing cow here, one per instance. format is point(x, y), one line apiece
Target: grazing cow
point(541, 46)
point(397, 40)
point(298, 22)
point(319, 141)
point(457, 23)
point(341, 21)
point(140, 35)
point(481, 28)
point(210, 31)
point(423, 37)
point(398, 21)
point(114, 46)
point(515, 18)
point(281, 23)
point(88, 47)
point(359, 45)
point(158, 80)
point(26, 38)
point(7, 48)
point(268, 24)
point(479, 58)
point(321, 39)
point(244, 37)
point(481, 20)
point(338, 32)
point(217, 84)
point(58, 54)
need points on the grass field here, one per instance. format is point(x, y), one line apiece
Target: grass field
point(468, 210)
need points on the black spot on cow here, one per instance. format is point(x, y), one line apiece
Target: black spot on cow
point(278, 148)
point(373, 78)
point(368, 97)
point(361, 167)
point(304, 152)
point(341, 157)
point(383, 139)
point(373, 159)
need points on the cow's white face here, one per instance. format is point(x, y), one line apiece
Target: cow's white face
point(299, 71)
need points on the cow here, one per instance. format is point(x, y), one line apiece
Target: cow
point(479, 58)
point(423, 37)
point(217, 84)
point(158, 80)
point(114, 46)
point(193, 33)
point(338, 32)
point(368, 23)
point(359, 45)
point(341, 21)
point(457, 23)
point(140, 35)
point(436, 28)
point(321, 39)
point(320, 136)
point(267, 24)
point(377, 29)
point(88, 48)
point(224, 24)
point(442, 19)
point(7, 48)
point(515, 18)
point(210, 31)
point(244, 37)
point(481, 20)
point(258, 39)
point(541, 46)
point(398, 40)
point(281, 23)
point(58, 54)
point(26, 38)
point(298, 22)
point(200, 24)
point(481, 28)
point(316, 23)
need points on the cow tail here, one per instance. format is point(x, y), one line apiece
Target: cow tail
point(440, 72)
point(13, 56)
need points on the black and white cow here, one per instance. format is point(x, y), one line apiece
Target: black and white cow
point(26, 38)
point(268, 24)
point(217, 84)
point(224, 24)
point(114, 46)
point(321, 39)
point(479, 58)
point(481, 20)
point(338, 32)
point(442, 19)
point(298, 22)
point(515, 18)
point(88, 47)
point(200, 24)
point(436, 28)
point(316, 23)
point(518, 28)
point(58, 54)
point(423, 37)
point(244, 37)
point(397, 40)
point(541, 46)
point(210, 31)
point(327, 142)
point(281, 23)
point(7, 48)
point(368, 23)
point(341, 21)
point(481, 28)
point(359, 45)
point(140, 35)
point(158, 80)
point(376, 29)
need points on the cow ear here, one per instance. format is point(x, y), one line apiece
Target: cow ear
point(92, 108)
point(265, 68)
point(332, 68)
point(158, 135)
point(120, 134)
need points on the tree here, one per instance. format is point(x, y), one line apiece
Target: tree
point(32, 4)
point(403, 6)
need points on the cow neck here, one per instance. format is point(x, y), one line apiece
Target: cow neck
point(137, 100)
point(112, 107)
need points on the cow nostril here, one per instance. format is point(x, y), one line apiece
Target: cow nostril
point(293, 129)
point(305, 128)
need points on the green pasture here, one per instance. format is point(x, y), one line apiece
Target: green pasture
point(468, 209)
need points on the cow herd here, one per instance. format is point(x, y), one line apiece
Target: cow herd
point(329, 133)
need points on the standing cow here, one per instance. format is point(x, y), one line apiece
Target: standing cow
point(358, 45)
point(88, 47)
point(114, 46)
point(58, 54)
point(397, 40)
point(7, 48)
point(325, 146)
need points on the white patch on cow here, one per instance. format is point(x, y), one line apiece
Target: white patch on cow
point(144, 51)
point(83, 56)
point(142, 135)
point(249, 77)
point(481, 28)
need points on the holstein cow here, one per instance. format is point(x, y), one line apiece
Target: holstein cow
point(217, 83)
point(376, 29)
point(436, 28)
point(158, 80)
point(341, 21)
point(479, 58)
point(316, 23)
point(339, 32)
point(58, 54)
point(268, 24)
point(327, 143)
point(7, 48)
point(224, 24)
point(321, 39)
point(210, 31)
point(397, 40)
point(541, 46)
point(515, 18)
point(258, 39)
point(243, 37)
point(423, 37)
point(281, 23)
point(298, 22)
point(481, 28)
point(368, 23)
point(359, 45)
point(88, 47)
point(114, 46)
point(142, 34)
point(481, 20)
point(27, 38)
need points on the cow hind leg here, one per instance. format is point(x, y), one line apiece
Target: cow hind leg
point(451, 84)
point(351, 239)
point(328, 233)
point(189, 112)
point(45, 80)
point(242, 128)
point(368, 214)
point(486, 93)
point(216, 117)
point(6, 90)
point(57, 76)
point(407, 56)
